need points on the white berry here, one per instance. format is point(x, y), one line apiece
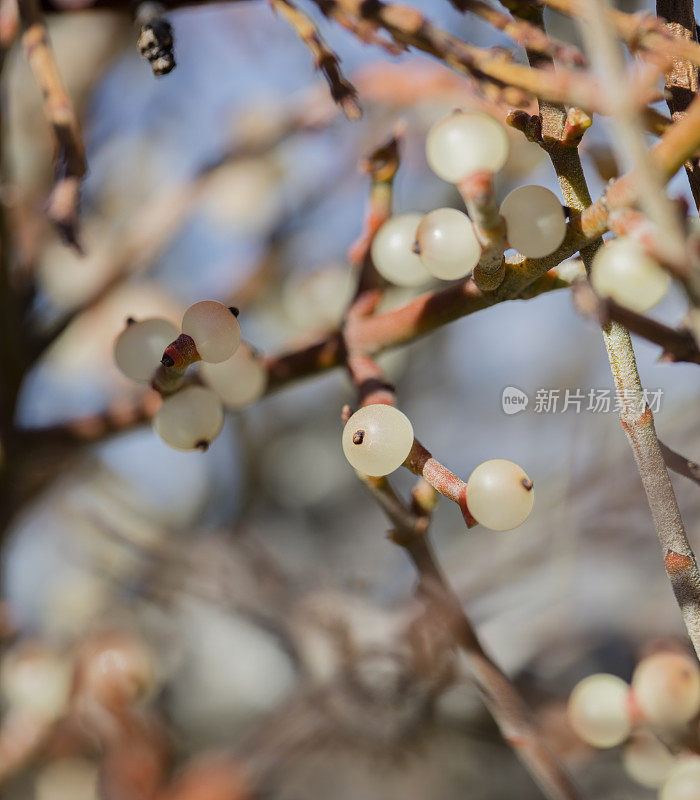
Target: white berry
point(683, 781)
point(535, 221)
point(214, 328)
point(448, 245)
point(622, 270)
point(377, 439)
point(500, 496)
point(666, 687)
point(238, 381)
point(190, 419)
point(466, 142)
point(36, 681)
point(646, 760)
point(599, 710)
point(392, 251)
point(139, 347)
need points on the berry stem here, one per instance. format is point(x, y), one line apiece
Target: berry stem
point(480, 200)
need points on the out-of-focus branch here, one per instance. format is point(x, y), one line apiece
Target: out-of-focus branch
point(680, 464)
point(645, 34)
point(508, 709)
point(58, 108)
point(682, 80)
point(678, 345)
point(325, 60)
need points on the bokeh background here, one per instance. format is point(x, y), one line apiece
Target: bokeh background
point(234, 178)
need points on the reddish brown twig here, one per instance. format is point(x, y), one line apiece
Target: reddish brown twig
point(381, 165)
point(58, 108)
point(478, 195)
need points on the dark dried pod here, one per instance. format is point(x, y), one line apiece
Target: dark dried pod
point(155, 43)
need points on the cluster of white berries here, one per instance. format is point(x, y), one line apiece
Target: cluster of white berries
point(378, 438)
point(234, 372)
point(623, 271)
point(410, 249)
point(663, 698)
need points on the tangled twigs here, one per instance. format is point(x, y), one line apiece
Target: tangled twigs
point(498, 76)
point(641, 33)
point(58, 108)
point(678, 345)
point(523, 32)
point(325, 60)
point(155, 41)
point(508, 709)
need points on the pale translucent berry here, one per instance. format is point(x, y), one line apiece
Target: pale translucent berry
point(535, 221)
point(623, 271)
point(190, 419)
point(36, 681)
point(500, 495)
point(238, 381)
point(214, 328)
point(599, 710)
point(392, 251)
point(139, 347)
point(448, 245)
point(318, 300)
point(666, 688)
point(646, 760)
point(377, 439)
point(466, 142)
point(683, 781)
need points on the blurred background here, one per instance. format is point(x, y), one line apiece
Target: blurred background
point(275, 615)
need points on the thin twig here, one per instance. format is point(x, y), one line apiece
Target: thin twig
point(325, 60)
point(680, 464)
point(58, 109)
point(678, 345)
